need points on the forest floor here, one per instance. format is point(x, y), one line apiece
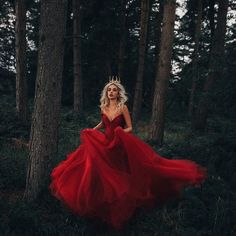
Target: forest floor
point(208, 210)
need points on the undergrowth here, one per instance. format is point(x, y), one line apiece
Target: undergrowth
point(207, 210)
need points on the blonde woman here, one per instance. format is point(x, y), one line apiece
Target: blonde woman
point(112, 173)
point(112, 104)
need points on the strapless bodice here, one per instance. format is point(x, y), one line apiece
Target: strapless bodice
point(110, 125)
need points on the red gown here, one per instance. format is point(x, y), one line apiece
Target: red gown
point(112, 173)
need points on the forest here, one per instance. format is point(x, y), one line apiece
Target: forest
point(177, 62)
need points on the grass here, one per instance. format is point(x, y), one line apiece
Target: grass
point(209, 210)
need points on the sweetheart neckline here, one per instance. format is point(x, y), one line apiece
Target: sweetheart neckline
point(112, 119)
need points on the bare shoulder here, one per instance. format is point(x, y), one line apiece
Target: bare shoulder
point(125, 109)
point(101, 110)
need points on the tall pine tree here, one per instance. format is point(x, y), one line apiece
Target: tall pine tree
point(45, 119)
point(157, 122)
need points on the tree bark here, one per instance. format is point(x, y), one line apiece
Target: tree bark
point(158, 31)
point(142, 54)
point(122, 39)
point(20, 48)
point(157, 122)
point(158, 42)
point(197, 32)
point(78, 91)
point(45, 119)
point(215, 65)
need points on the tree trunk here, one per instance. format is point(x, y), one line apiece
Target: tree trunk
point(157, 122)
point(122, 39)
point(195, 57)
point(45, 119)
point(215, 65)
point(20, 47)
point(211, 15)
point(158, 31)
point(158, 42)
point(142, 53)
point(78, 91)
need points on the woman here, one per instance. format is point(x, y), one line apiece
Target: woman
point(112, 173)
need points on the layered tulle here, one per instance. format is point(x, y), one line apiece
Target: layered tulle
point(110, 175)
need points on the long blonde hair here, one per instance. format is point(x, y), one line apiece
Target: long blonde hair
point(122, 97)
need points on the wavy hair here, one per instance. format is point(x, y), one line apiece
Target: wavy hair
point(122, 96)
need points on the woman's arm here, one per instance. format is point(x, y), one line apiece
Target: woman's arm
point(99, 125)
point(127, 119)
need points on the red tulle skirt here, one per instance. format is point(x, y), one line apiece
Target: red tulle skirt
point(109, 179)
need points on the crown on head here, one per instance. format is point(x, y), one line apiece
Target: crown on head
point(114, 79)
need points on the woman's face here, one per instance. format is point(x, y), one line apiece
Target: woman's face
point(112, 92)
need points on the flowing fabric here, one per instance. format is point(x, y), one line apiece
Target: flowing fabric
point(113, 173)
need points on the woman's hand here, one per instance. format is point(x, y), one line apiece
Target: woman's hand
point(127, 130)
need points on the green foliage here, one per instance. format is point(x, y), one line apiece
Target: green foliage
point(38, 219)
point(12, 168)
point(6, 36)
point(100, 37)
point(10, 124)
point(207, 210)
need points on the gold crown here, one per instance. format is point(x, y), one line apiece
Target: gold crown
point(114, 79)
